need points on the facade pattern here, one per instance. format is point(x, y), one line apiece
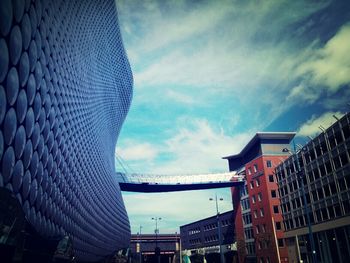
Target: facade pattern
point(321, 169)
point(65, 89)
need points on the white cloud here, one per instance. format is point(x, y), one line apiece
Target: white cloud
point(311, 127)
point(305, 93)
point(180, 97)
point(330, 65)
point(198, 148)
point(139, 151)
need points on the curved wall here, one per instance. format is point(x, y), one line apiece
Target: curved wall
point(65, 89)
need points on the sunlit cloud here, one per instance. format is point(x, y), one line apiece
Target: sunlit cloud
point(330, 65)
point(140, 151)
point(311, 126)
point(196, 148)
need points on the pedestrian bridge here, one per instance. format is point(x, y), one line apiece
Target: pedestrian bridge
point(133, 182)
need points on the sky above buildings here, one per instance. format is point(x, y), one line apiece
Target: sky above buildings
point(208, 75)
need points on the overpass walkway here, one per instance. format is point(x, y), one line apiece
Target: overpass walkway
point(133, 182)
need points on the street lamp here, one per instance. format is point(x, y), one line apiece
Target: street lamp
point(219, 225)
point(140, 249)
point(306, 207)
point(156, 231)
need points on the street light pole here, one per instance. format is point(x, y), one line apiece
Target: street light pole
point(219, 226)
point(306, 207)
point(140, 245)
point(157, 249)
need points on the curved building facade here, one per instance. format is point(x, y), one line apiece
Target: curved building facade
point(65, 89)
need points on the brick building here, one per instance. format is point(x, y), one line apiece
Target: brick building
point(258, 218)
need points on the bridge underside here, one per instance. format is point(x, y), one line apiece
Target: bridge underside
point(158, 188)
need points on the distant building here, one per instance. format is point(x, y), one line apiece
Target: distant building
point(201, 237)
point(257, 216)
point(169, 245)
point(325, 176)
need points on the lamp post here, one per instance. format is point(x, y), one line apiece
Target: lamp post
point(219, 225)
point(306, 207)
point(140, 249)
point(156, 231)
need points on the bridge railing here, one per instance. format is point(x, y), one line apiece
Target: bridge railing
point(178, 179)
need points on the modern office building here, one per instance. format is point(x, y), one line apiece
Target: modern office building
point(320, 172)
point(201, 237)
point(258, 219)
point(143, 248)
point(65, 90)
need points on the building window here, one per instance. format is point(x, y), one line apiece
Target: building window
point(247, 219)
point(271, 179)
point(268, 163)
point(257, 182)
point(275, 209)
point(280, 242)
point(251, 185)
point(255, 214)
point(259, 245)
point(278, 225)
point(249, 171)
point(257, 229)
point(248, 233)
point(273, 193)
point(253, 199)
point(263, 228)
point(259, 197)
point(255, 168)
point(262, 212)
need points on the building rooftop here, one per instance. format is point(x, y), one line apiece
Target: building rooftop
point(253, 148)
point(207, 218)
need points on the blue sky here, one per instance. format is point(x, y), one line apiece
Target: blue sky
point(209, 74)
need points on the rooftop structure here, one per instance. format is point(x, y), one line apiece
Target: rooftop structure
point(262, 143)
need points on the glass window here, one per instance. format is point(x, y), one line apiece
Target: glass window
point(249, 171)
point(257, 182)
point(253, 199)
point(268, 163)
point(271, 179)
point(278, 225)
point(251, 185)
point(255, 168)
point(262, 212)
point(273, 193)
point(275, 209)
point(255, 214)
point(281, 242)
point(259, 197)
point(257, 229)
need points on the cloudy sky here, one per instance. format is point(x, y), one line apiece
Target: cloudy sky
point(208, 75)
